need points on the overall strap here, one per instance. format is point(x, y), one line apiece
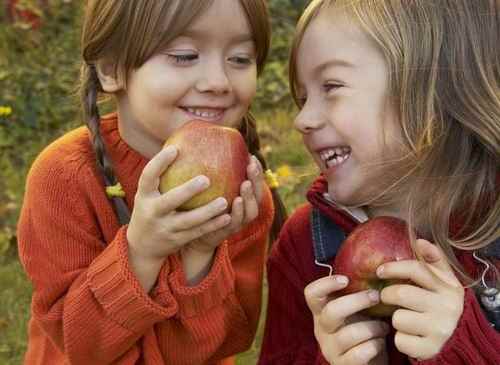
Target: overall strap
point(492, 250)
point(327, 237)
point(488, 293)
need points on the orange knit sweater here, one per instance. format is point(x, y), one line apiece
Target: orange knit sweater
point(87, 306)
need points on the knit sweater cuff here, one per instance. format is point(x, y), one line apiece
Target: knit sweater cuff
point(470, 339)
point(118, 291)
point(210, 292)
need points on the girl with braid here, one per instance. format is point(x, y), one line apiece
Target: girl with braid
point(119, 275)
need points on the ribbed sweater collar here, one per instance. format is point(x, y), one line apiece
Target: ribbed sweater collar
point(127, 162)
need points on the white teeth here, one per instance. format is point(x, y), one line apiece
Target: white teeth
point(202, 114)
point(335, 156)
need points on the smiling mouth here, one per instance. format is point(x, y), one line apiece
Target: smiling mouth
point(335, 156)
point(209, 114)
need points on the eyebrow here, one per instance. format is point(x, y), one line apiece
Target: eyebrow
point(239, 38)
point(335, 63)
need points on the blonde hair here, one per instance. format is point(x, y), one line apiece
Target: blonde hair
point(129, 32)
point(444, 80)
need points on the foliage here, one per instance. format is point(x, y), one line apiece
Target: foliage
point(36, 87)
point(273, 85)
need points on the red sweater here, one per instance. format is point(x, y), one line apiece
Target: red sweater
point(289, 337)
point(87, 306)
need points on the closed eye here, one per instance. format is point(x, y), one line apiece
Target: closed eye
point(241, 60)
point(329, 86)
point(183, 58)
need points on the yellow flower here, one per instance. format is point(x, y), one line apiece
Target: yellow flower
point(271, 179)
point(284, 171)
point(5, 111)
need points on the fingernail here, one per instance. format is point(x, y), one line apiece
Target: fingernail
point(255, 170)
point(374, 295)
point(202, 181)
point(342, 280)
point(256, 164)
point(380, 271)
point(170, 149)
point(221, 203)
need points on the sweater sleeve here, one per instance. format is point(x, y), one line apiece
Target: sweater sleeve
point(474, 341)
point(289, 333)
point(85, 297)
point(219, 316)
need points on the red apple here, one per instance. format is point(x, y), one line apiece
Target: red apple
point(372, 243)
point(218, 152)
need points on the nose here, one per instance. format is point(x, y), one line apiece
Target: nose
point(309, 119)
point(214, 79)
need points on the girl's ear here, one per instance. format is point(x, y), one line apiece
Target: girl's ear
point(108, 78)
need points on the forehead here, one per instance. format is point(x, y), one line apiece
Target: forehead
point(334, 38)
point(222, 16)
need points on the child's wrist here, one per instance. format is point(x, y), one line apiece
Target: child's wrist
point(196, 264)
point(146, 269)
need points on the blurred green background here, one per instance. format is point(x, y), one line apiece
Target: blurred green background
point(38, 79)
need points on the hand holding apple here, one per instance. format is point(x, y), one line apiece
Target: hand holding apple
point(343, 334)
point(157, 229)
point(245, 208)
point(220, 153)
point(372, 243)
point(430, 308)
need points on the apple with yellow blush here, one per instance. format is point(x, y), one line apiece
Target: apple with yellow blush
point(209, 149)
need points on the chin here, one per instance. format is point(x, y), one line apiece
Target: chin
point(342, 196)
point(337, 195)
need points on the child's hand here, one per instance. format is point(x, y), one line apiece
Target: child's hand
point(345, 337)
point(431, 310)
point(245, 209)
point(156, 229)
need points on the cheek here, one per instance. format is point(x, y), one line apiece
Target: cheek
point(391, 134)
point(311, 151)
point(155, 82)
point(246, 87)
point(166, 87)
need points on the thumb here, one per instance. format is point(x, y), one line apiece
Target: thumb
point(429, 252)
point(149, 179)
point(436, 261)
point(317, 293)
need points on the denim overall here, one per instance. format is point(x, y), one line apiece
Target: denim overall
point(327, 238)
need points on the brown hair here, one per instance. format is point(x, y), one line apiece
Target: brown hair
point(130, 32)
point(444, 77)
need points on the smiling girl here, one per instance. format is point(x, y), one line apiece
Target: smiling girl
point(119, 275)
point(400, 109)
